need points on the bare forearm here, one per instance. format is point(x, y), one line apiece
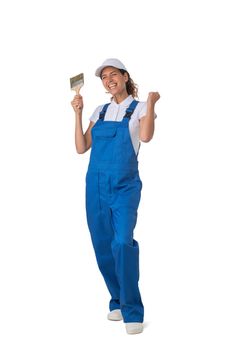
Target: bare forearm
point(147, 123)
point(80, 141)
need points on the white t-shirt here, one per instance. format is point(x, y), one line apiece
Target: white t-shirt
point(116, 112)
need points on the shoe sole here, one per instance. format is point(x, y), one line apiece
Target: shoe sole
point(112, 317)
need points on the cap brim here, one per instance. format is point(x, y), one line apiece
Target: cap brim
point(99, 70)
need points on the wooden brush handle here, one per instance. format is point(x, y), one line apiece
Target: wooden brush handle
point(77, 89)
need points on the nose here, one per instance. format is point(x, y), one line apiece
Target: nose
point(109, 79)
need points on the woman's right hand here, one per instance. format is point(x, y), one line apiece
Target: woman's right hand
point(77, 103)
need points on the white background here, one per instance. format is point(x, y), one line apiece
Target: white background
point(52, 295)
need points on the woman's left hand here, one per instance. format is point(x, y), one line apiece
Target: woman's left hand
point(153, 97)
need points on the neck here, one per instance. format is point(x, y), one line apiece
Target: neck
point(118, 98)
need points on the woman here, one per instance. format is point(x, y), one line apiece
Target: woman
point(113, 186)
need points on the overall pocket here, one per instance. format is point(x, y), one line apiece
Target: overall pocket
point(103, 144)
point(105, 133)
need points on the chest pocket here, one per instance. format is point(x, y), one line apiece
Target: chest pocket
point(103, 133)
point(104, 144)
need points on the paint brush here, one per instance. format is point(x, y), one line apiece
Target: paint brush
point(77, 82)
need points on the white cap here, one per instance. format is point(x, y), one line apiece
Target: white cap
point(110, 62)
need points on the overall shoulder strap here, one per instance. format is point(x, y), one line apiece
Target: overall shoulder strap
point(103, 111)
point(129, 111)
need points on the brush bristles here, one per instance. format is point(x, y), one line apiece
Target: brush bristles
point(77, 80)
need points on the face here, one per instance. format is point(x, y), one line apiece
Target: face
point(113, 81)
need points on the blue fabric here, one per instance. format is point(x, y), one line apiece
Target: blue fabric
point(113, 190)
point(130, 109)
point(102, 113)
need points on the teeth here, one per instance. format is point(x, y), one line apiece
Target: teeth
point(112, 86)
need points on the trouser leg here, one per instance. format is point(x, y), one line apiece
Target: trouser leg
point(126, 255)
point(100, 226)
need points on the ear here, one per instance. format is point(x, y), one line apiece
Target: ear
point(126, 76)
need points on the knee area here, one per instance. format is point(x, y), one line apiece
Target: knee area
point(122, 243)
point(125, 243)
point(123, 238)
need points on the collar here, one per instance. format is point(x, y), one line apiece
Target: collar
point(125, 103)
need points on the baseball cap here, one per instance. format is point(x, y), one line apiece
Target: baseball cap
point(110, 62)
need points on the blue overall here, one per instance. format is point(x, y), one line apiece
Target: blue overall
point(113, 190)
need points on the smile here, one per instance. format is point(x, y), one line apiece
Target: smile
point(112, 86)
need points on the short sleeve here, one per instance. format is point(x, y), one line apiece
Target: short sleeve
point(95, 116)
point(142, 112)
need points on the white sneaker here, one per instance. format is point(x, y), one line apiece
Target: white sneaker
point(115, 315)
point(134, 327)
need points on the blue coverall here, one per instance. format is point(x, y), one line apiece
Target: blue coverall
point(113, 190)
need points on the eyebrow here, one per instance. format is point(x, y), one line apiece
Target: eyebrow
point(113, 71)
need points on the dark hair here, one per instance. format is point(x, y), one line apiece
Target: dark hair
point(131, 87)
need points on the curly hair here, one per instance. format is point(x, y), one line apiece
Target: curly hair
point(131, 87)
